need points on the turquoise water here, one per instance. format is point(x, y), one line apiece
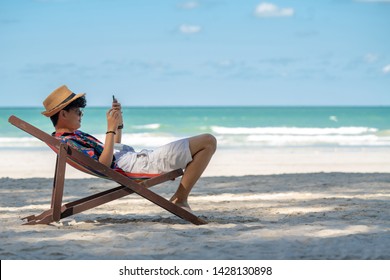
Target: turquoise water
point(233, 126)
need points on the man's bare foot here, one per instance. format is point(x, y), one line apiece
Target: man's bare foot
point(181, 204)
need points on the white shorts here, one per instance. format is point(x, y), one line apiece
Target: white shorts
point(161, 160)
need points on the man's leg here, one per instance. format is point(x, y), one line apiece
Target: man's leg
point(202, 148)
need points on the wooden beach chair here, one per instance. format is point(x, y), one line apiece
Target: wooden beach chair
point(129, 183)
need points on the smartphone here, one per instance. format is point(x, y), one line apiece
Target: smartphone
point(114, 99)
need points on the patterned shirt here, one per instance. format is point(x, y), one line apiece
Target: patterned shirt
point(84, 143)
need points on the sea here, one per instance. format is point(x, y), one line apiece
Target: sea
point(234, 127)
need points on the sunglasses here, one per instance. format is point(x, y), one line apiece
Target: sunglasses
point(78, 111)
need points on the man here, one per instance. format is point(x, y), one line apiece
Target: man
point(192, 154)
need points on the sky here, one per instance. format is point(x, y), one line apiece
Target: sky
point(197, 53)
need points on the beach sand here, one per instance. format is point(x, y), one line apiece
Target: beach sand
point(316, 203)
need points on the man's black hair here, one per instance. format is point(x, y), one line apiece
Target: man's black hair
point(80, 102)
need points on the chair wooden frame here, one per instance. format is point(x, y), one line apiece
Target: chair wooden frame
point(68, 154)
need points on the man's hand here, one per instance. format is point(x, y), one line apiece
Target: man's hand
point(117, 106)
point(113, 118)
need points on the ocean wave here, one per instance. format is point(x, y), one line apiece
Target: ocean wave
point(296, 136)
point(152, 140)
point(20, 142)
point(147, 126)
point(291, 130)
point(147, 140)
point(315, 140)
point(302, 141)
point(137, 140)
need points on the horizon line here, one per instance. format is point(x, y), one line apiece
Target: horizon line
point(201, 106)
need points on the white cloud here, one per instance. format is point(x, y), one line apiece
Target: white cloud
point(270, 10)
point(386, 69)
point(189, 29)
point(370, 58)
point(225, 63)
point(189, 5)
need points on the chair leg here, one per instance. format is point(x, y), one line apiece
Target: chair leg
point(59, 180)
point(54, 213)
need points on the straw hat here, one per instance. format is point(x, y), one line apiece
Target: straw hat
point(58, 100)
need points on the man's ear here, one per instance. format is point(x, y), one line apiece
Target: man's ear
point(63, 114)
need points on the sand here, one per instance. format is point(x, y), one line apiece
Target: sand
point(40, 162)
point(297, 204)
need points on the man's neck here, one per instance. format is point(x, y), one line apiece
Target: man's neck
point(63, 130)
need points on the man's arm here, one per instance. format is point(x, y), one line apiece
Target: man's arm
point(113, 117)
